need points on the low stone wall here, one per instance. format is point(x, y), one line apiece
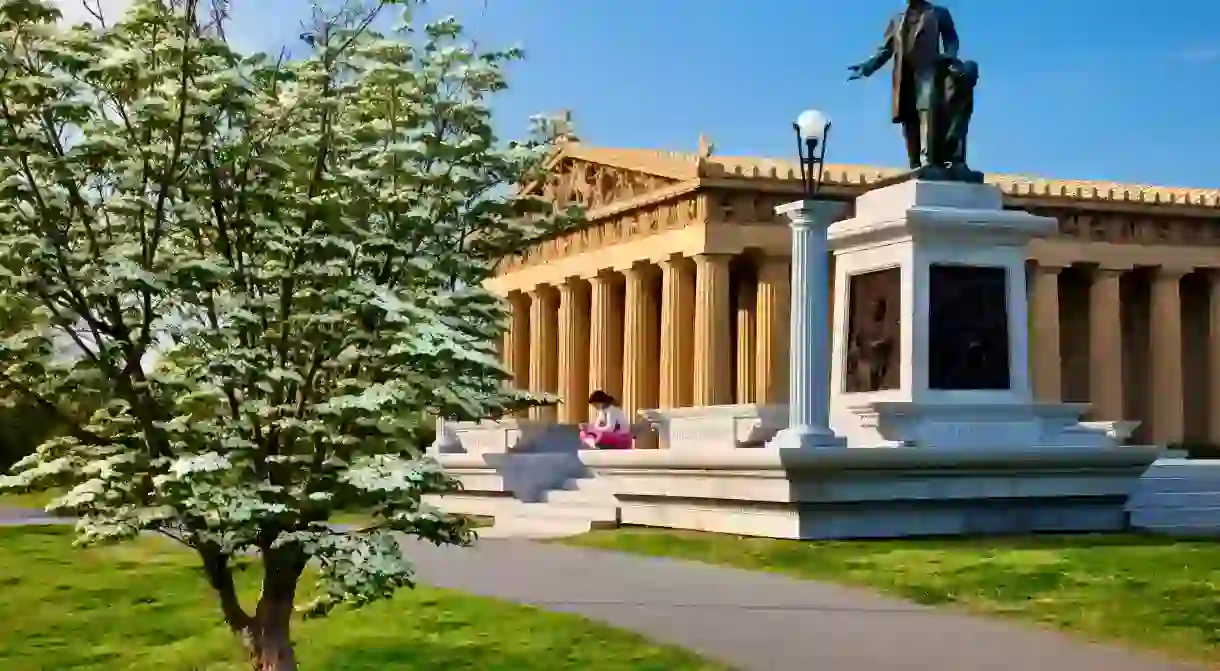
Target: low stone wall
point(705, 428)
point(505, 435)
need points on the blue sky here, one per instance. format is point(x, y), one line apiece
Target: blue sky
point(1122, 90)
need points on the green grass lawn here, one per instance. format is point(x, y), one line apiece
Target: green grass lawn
point(33, 500)
point(1148, 592)
point(39, 500)
point(145, 606)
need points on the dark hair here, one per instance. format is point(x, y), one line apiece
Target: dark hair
point(602, 397)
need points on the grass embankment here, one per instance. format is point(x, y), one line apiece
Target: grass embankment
point(145, 605)
point(1154, 593)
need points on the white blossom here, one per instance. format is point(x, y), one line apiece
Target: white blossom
point(248, 290)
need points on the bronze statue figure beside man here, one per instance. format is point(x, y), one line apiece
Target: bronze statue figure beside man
point(933, 90)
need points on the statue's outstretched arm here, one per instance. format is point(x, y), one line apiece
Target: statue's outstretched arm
point(882, 55)
point(948, 34)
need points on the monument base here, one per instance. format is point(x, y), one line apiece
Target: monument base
point(805, 438)
point(930, 309)
point(982, 426)
point(827, 493)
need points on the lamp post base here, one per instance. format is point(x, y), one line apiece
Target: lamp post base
point(806, 437)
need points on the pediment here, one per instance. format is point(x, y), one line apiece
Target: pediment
point(593, 185)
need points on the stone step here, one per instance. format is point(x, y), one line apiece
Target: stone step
point(591, 513)
point(536, 528)
point(587, 485)
point(490, 506)
point(1210, 530)
point(580, 497)
point(1153, 486)
point(1175, 500)
point(1156, 518)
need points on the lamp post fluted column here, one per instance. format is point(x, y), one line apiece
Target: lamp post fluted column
point(809, 335)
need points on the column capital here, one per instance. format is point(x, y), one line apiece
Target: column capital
point(641, 268)
point(570, 285)
point(804, 213)
point(713, 257)
point(544, 290)
point(1050, 267)
point(1171, 272)
point(1107, 269)
point(603, 276)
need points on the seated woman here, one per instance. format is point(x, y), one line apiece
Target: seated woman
point(610, 429)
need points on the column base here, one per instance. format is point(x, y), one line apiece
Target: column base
point(806, 437)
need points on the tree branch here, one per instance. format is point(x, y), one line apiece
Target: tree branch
point(220, 577)
point(41, 401)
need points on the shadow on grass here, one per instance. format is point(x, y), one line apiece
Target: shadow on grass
point(143, 606)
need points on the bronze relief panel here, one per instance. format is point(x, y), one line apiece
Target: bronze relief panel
point(874, 330)
point(968, 347)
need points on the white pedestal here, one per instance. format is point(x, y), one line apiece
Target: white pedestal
point(918, 228)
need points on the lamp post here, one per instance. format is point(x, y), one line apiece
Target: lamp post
point(812, 129)
point(809, 338)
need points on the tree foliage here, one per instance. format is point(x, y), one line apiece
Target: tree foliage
point(252, 280)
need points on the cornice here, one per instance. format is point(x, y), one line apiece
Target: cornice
point(687, 167)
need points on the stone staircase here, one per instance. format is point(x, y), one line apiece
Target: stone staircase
point(580, 505)
point(1177, 496)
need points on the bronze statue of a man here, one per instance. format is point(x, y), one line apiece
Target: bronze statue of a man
point(918, 40)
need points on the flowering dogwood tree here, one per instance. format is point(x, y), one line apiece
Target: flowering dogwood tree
point(252, 281)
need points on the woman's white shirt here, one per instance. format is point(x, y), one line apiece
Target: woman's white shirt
point(612, 418)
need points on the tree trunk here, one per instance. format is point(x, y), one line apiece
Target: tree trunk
point(269, 632)
point(269, 636)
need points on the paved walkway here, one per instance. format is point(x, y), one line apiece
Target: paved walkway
point(13, 517)
point(751, 621)
point(757, 621)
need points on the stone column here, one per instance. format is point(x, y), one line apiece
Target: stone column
point(517, 340)
point(573, 352)
point(517, 343)
point(1168, 394)
point(639, 346)
point(605, 336)
point(677, 334)
point(713, 349)
point(747, 348)
point(1106, 393)
point(1044, 313)
point(809, 335)
point(543, 355)
point(771, 319)
point(1213, 352)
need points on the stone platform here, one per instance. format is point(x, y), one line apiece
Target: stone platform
point(810, 494)
point(875, 493)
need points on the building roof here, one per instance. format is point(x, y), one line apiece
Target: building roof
point(684, 167)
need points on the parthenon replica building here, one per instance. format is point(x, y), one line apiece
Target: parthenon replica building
point(676, 292)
